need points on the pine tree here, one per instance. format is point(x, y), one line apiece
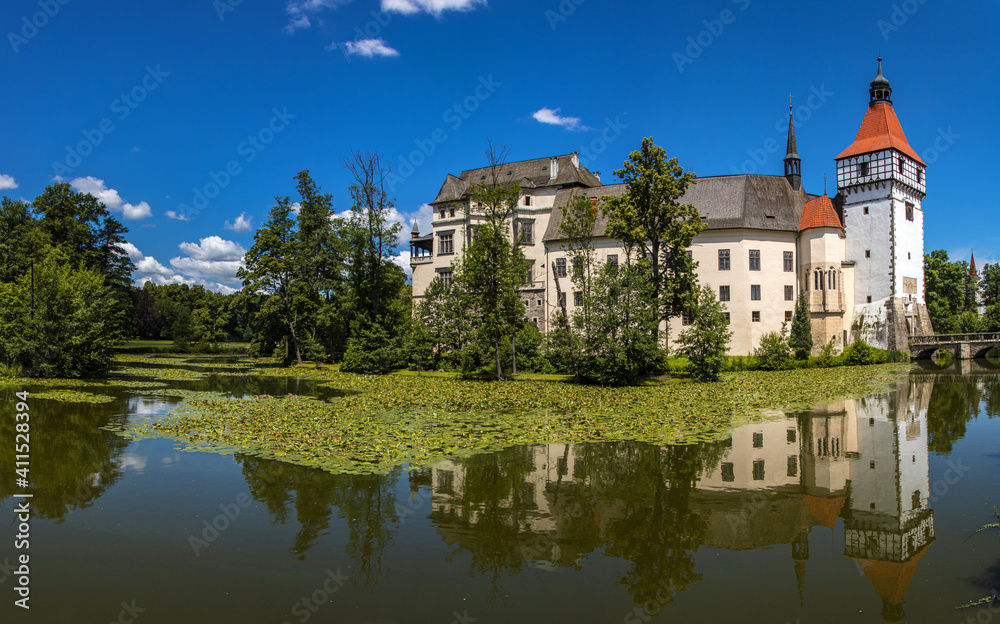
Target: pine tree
point(801, 339)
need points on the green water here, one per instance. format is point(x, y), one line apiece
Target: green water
point(859, 511)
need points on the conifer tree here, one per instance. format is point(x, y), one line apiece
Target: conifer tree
point(801, 339)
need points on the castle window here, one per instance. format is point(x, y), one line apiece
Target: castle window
point(685, 320)
point(578, 299)
point(868, 253)
point(445, 278)
point(560, 267)
point(789, 293)
point(528, 272)
point(817, 280)
point(790, 436)
point(727, 318)
point(723, 259)
point(758, 470)
point(863, 169)
point(758, 440)
point(525, 234)
point(442, 213)
point(451, 211)
point(755, 316)
point(793, 466)
point(909, 211)
point(527, 200)
point(788, 315)
point(866, 209)
point(755, 292)
point(754, 259)
point(613, 259)
point(789, 262)
point(920, 176)
point(869, 298)
point(562, 300)
point(723, 293)
point(446, 244)
point(577, 267)
point(728, 472)
point(901, 162)
point(831, 280)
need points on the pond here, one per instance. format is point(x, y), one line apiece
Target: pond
point(859, 511)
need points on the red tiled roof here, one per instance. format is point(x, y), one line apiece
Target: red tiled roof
point(825, 510)
point(819, 213)
point(880, 130)
point(890, 579)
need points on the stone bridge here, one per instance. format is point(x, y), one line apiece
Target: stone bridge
point(962, 346)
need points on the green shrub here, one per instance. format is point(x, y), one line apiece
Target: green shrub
point(371, 351)
point(773, 353)
point(860, 353)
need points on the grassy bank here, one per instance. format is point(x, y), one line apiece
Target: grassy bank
point(419, 419)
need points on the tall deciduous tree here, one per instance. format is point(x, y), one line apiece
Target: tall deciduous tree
point(649, 218)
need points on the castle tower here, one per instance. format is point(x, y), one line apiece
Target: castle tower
point(882, 182)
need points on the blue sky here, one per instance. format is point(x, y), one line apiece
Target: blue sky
point(154, 106)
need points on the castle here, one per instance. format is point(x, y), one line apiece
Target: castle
point(858, 256)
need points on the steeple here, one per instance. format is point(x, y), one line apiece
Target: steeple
point(793, 164)
point(972, 265)
point(880, 90)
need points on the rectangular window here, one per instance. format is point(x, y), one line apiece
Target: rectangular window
point(789, 293)
point(445, 278)
point(758, 470)
point(901, 161)
point(723, 293)
point(909, 211)
point(526, 234)
point(562, 300)
point(442, 213)
point(869, 298)
point(577, 267)
point(790, 435)
point(529, 277)
point(685, 320)
point(727, 318)
point(754, 259)
point(446, 244)
point(789, 262)
point(793, 465)
point(451, 211)
point(755, 292)
point(866, 209)
point(527, 200)
point(723, 259)
point(560, 267)
point(863, 169)
point(755, 316)
point(920, 176)
point(578, 299)
point(758, 440)
point(613, 259)
point(728, 472)
point(788, 315)
point(688, 254)
point(868, 253)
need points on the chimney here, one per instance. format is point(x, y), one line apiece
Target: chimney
point(575, 158)
point(553, 168)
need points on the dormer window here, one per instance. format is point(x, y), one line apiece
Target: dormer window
point(527, 200)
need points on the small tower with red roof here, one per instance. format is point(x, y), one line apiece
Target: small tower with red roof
point(882, 182)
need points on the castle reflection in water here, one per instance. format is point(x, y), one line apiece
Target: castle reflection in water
point(773, 483)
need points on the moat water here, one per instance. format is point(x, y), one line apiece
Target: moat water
point(860, 511)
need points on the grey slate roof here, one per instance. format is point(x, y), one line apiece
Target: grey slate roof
point(526, 173)
point(756, 202)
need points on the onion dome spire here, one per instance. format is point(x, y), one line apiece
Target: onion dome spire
point(880, 90)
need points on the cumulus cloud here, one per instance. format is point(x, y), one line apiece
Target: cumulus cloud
point(301, 12)
point(202, 267)
point(551, 116)
point(111, 198)
point(170, 214)
point(133, 252)
point(370, 48)
point(434, 7)
point(403, 260)
point(241, 225)
point(7, 182)
point(214, 248)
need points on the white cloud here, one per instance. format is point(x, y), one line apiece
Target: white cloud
point(170, 214)
point(300, 11)
point(111, 198)
point(403, 260)
point(434, 7)
point(551, 116)
point(214, 248)
point(241, 225)
point(296, 208)
point(7, 182)
point(370, 48)
point(133, 252)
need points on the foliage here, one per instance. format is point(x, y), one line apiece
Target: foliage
point(950, 291)
point(860, 353)
point(621, 345)
point(649, 221)
point(990, 284)
point(991, 320)
point(826, 353)
point(773, 352)
point(372, 351)
point(801, 339)
point(706, 342)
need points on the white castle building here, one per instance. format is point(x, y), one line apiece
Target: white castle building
point(857, 255)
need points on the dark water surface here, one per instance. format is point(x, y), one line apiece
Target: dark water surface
point(855, 512)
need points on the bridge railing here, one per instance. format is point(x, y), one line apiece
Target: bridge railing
point(951, 338)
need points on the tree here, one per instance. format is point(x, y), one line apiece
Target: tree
point(947, 287)
point(801, 339)
point(707, 340)
point(991, 284)
point(773, 352)
point(271, 268)
point(648, 218)
point(493, 266)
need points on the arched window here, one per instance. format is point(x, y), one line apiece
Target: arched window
point(833, 280)
point(818, 279)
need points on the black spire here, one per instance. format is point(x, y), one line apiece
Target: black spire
point(880, 90)
point(793, 164)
